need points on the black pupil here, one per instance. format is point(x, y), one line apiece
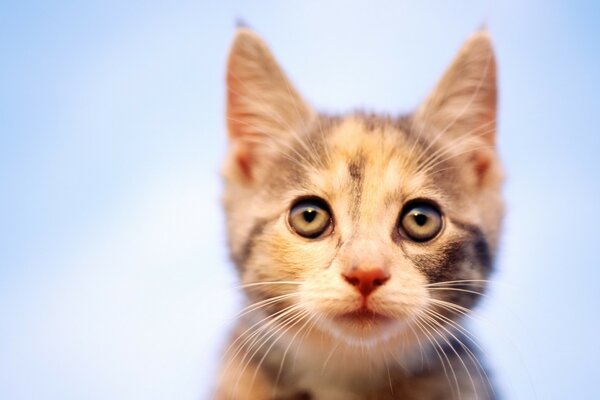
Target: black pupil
point(420, 218)
point(309, 215)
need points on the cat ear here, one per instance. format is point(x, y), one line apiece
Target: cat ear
point(465, 98)
point(462, 107)
point(262, 106)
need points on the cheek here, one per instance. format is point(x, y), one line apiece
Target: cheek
point(456, 274)
point(325, 292)
point(302, 257)
point(405, 294)
point(280, 255)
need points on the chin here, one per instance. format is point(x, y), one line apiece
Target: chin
point(364, 328)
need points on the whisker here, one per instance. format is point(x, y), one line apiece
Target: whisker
point(255, 336)
point(333, 349)
point(310, 319)
point(436, 157)
point(453, 306)
point(421, 349)
point(430, 322)
point(456, 326)
point(435, 345)
point(387, 367)
point(462, 138)
point(310, 328)
point(259, 338)
point(264, 303)
point(458, 290)
point(473, 340)
point(460, 281)
point(246, 285)
point(451, 156)
point(326, 148)
point(480, 370)
point(256, 328)
point(307, 143)
point(275, 143)
point(289, 324)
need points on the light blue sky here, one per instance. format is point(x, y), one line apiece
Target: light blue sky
point(114, 279)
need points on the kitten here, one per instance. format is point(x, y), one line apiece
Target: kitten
point(361, 240)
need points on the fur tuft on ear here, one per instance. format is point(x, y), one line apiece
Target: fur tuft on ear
point(262, 105)
point(462, 106)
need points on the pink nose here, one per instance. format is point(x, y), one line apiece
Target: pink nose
point(366, 280)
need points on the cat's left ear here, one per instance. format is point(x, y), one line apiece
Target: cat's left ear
point(462, 107)
point(464, 100)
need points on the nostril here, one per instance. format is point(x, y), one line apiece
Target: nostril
point(378, 282)
point(352, 280)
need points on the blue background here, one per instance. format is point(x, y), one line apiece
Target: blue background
point(114, 279)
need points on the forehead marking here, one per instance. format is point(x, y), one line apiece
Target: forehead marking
point(356, 170)
point(372, 173)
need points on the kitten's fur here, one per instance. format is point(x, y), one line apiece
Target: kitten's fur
point(291, 343)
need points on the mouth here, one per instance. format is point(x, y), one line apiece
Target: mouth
point(363, 315)
point(363, 326)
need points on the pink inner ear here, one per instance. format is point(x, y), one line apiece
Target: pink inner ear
point(242, 156)
point(481, 162)
point(238, 130)
point(244, 160)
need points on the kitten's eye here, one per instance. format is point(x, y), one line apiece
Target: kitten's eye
point(310, 218)
point(420, 221)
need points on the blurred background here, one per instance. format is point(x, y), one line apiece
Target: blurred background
point(114, 276)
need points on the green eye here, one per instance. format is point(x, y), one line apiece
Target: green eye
point(420, 221)
point(310, 218)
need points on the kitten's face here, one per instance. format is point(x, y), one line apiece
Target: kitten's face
point(362, 226)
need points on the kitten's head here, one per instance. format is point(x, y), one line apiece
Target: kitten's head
point(362, 225)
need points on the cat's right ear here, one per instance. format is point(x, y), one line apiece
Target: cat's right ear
point(263, 109)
